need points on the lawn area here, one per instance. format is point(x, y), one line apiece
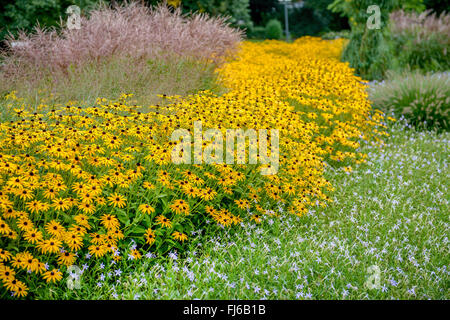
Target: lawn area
point(389, 215)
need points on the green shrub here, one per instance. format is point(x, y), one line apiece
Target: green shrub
point(369, 53)
point(256, 33)
point(424, 100)
point(274, 29)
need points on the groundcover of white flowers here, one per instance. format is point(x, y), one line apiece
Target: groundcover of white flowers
point(385, 236)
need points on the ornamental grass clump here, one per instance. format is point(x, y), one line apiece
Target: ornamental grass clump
point(130, 30)
point(124, 46)
point(421, 41)
point(423, 100)
point(81, 184)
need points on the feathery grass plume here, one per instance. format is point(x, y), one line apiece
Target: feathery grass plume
point(421, 41)
point(422, 25)
point(131, 30)
point(116, 38)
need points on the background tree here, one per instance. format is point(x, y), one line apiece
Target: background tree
point(438, 5)
point(263, 10)
point(368, 50)
point(24, 14)
point(315, 18)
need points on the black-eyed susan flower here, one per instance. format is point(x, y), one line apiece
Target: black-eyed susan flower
point(34, 206)
point(87, 208)
point(242, 204)
point(50, 193)
point(135, 254)
point(146, 208)
point(4, 255)
point(55, 228)
point(60, 204)
point(74, 240)
point(117, 200)
point(148, 185)
point(66, 258)
point(52, 245)
point(179, 236)
point(6, 273)
point(24, 223)
point(97, 250)
point(163, 221)
point(110, 222)
point(150, 236)
point(33, 235)
point(53, 275)
point(20, 290)
point(256, 218)
point(82, 220)
point(4, 228)
point(180, 206)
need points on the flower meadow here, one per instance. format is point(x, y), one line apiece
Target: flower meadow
point(82, 182)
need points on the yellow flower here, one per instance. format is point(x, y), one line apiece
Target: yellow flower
point(50, 246)
point(55, 228)
point(242, 204)
point(150, 236)
point(52, 276)
point(4, 255)
point(163, 221)
point(61, 204)
point(117, 200)
point(148, 185)
point(135, 254)
point(180, 207)
point(33, 235)
point(97, 250)
point(146, 208)
point(179, 236)
point(256, 218)
point(66, 258)
point(110, 222)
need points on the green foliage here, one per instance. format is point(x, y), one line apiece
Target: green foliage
point(240, 13)
point(24, 14)
point(305, 21)
point(421, 42)
point(256, 33)
point(237, 10)
point(427, 54)
point(326, 19)
point(356, 10)
point(263, 10)
point(422, 99)
point(369, 51)
point(274, 30)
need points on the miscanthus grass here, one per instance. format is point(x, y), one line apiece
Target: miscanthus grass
point(389, 216)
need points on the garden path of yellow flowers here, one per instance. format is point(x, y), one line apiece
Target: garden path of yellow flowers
point(86, 180)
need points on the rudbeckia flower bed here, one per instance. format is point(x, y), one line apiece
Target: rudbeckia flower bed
point(81, 180)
